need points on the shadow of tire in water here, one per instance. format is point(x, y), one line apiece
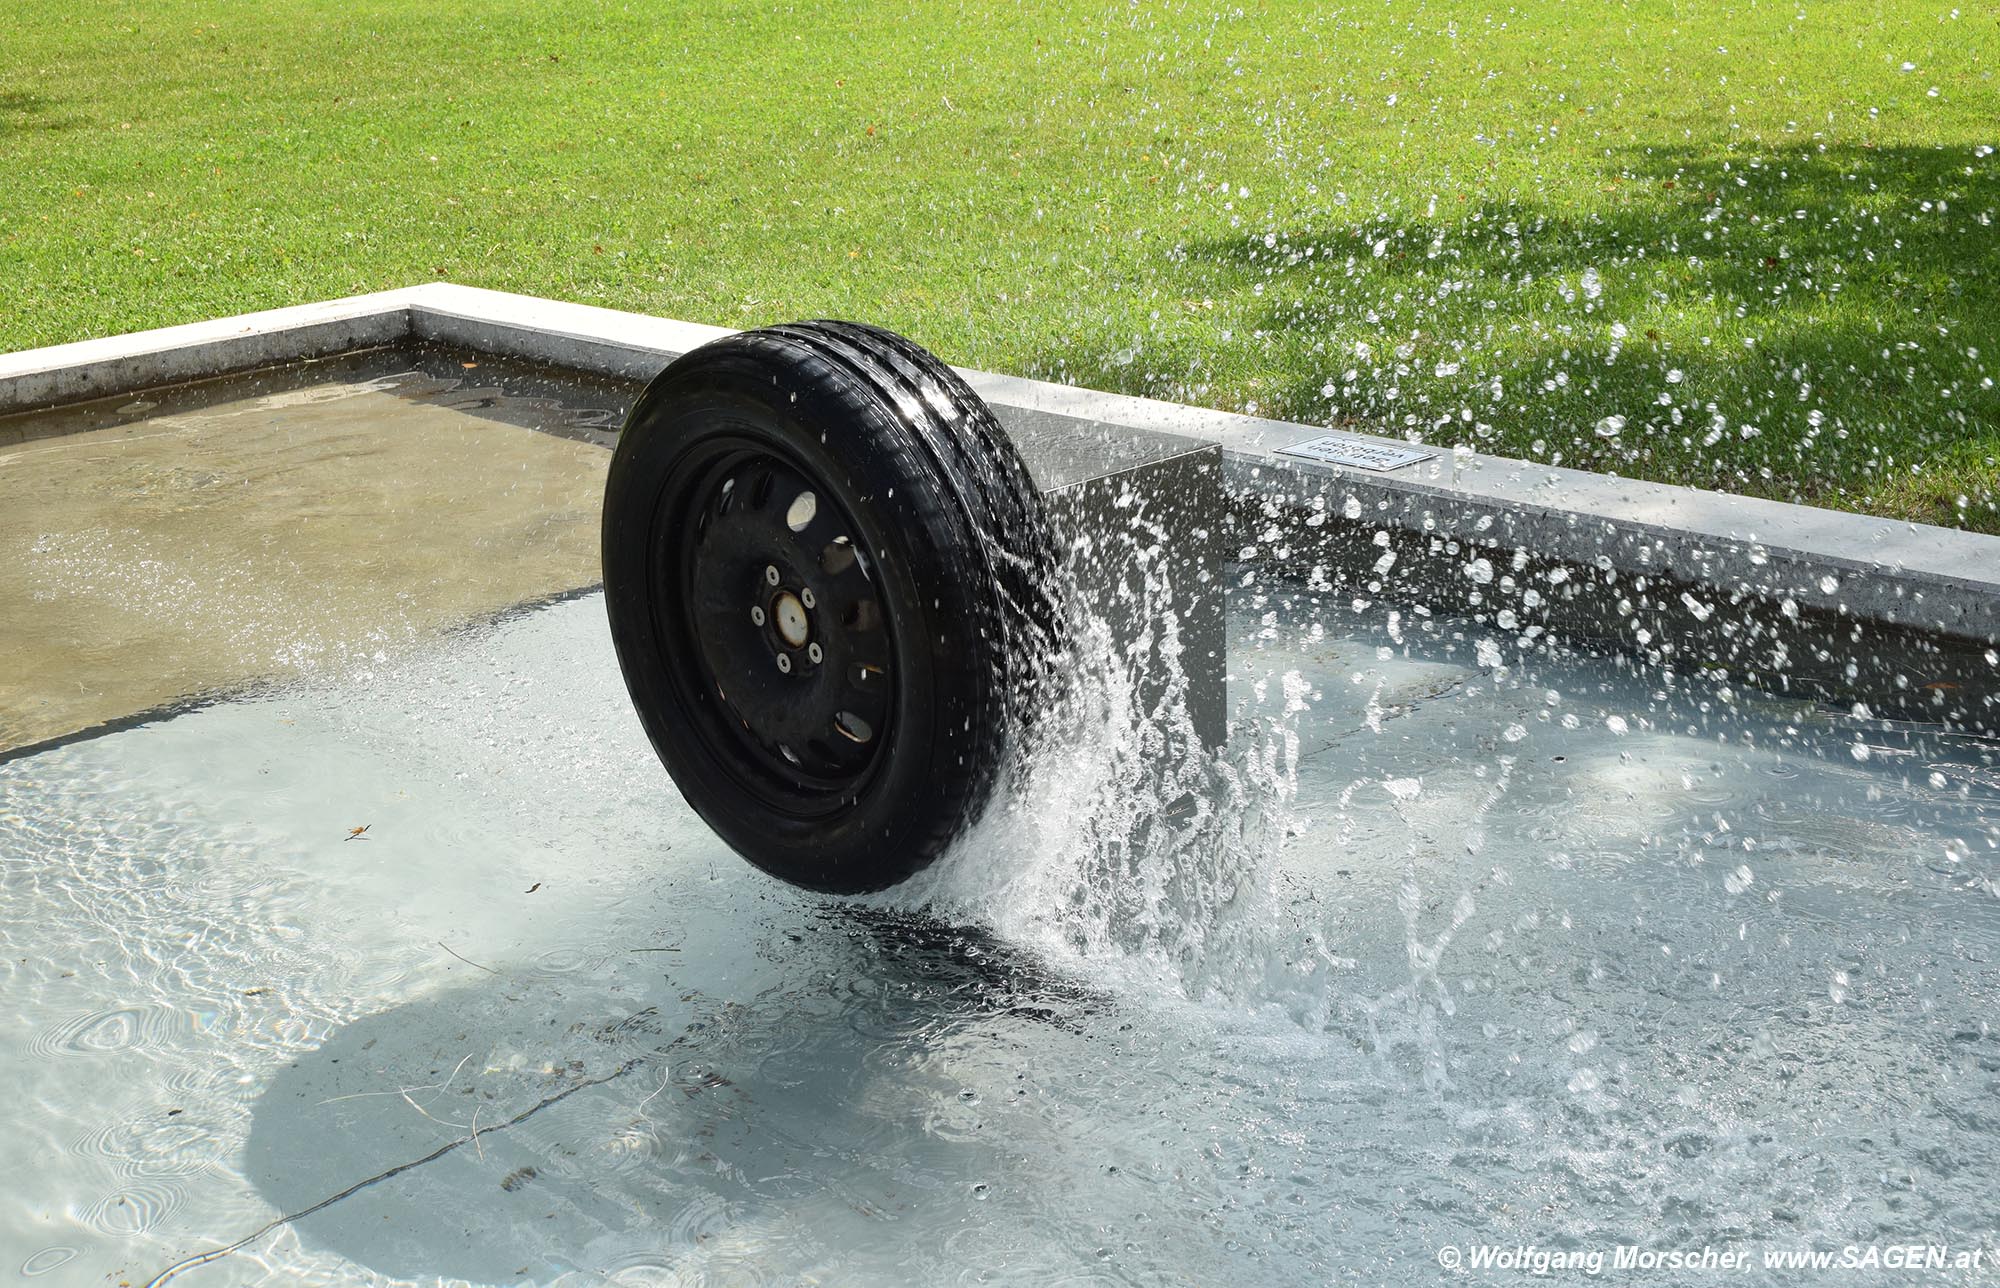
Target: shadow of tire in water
point(666, 1135)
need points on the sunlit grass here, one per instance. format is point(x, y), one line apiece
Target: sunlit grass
point(1788, 233)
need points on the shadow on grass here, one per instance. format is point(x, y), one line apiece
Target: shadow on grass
point(1814, 325)
point(23, 112)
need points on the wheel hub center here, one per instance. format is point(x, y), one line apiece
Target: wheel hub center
point(789, 616)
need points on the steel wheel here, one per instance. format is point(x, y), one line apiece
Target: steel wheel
point(777, 604)
point(827, 578)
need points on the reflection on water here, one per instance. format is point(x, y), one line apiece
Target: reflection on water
point(1550, 954)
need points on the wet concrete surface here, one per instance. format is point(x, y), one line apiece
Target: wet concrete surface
point(158, 550)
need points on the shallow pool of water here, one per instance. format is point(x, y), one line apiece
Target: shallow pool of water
point(1674, 971)
point(371, 945)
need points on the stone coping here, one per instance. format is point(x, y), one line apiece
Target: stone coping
point(1910, 575)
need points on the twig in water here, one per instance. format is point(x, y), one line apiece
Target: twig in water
point(467, 960)
point(404, 1092)
point(666, 1076)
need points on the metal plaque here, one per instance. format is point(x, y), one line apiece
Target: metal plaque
point(1342, 449)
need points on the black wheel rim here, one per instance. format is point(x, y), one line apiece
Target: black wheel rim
point(774, 626)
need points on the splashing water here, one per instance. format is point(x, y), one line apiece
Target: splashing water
point(1124, 842)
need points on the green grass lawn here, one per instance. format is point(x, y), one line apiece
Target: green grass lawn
point(1735, 244)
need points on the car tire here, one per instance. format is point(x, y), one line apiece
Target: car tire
point(829, 582)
